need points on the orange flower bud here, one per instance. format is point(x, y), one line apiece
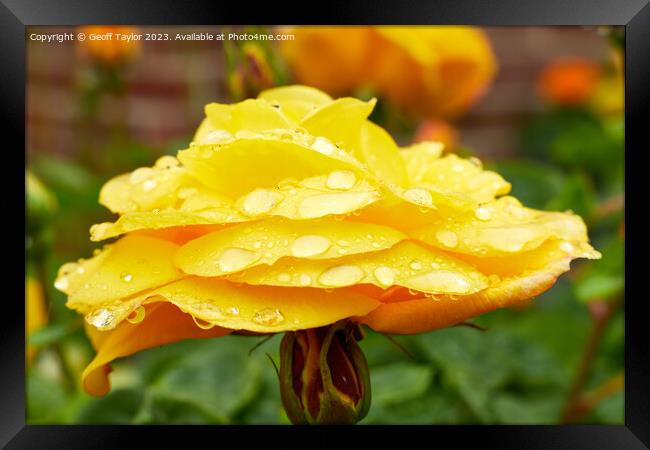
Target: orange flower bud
point(568, 81)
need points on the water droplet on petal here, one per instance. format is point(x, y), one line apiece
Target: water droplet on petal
point(385, 276)
point(202, 324)
point(166, 162)
point(137, 315)
point(341, 203)
point(483, 213)
point(101, 318)
point(62, 283)
point(341, 180)
point(567, 247)
point(260, 201)
point(447, 238)
point(305, 280)
point(440, 281)
point(419, 196)
point(149, 185)
point(140, 175)
point(268, 317)
point(344, 275)
point(232, 311)
point(310, 245)
point(126, 277)
point(324, 146)
point(234, 259)
point(216, 137)
point(415, 265)
point(99, 229)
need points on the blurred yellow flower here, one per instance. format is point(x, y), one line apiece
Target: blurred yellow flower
point(432, 71)
point(609, 94)
point(35, 311)
point(105, 47)
point(293, 211)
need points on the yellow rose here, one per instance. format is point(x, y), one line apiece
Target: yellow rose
point(432, 71)
point(293, 211)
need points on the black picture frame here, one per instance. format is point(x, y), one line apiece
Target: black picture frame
point(15, 15)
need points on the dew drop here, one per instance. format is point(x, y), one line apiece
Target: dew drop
point(385, 276)
point(310, 245)
point(233, 259)
point(62, 283)
point(268, 317)
point(344, 275)
point(149, 185)
point(324, 146)
point(482, 213)
point(166, 162)
point(99, 230)
point(447, 238)
point(140, 175)
point(202, 324)
point(419, 196)
point(260, 201)
point(440, 281)
point(216, 137)
point(341, 203)
point(305, 280)
point(567, 247)
point(475, 162)
point(232, 311)
point(137, 315)
point(341, 180)
point(415, 265)
point(101, 318)
point(126, 277)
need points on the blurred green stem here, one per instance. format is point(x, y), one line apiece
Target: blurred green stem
point(601, 313)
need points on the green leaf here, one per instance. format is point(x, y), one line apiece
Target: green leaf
point(119, 406)
point(533, 183)
point(46, 399)
point(481, 367)
point(399, 382)
point(577, 194)
point(604, 279)
point(53, 333)
point(216, 378)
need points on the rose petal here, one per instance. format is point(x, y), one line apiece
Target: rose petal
point(406, 264)
point(424, 314)
point(296, 101)
point(265, 309)
point(251, 115)
point(243, 246)
point(500, 227)
point(133, 264)
point(163, 324)
point(282, 153)
point(146, 188)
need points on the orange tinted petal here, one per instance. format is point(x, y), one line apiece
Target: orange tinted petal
point(164, 323)
point(425, 314)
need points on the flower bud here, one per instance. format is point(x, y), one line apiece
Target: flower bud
point(324, 377)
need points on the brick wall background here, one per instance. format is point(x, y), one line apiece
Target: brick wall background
point(168, 84)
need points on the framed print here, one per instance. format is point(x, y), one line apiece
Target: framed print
point(396, 218)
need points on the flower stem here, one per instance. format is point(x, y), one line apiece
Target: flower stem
point(575, 407)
